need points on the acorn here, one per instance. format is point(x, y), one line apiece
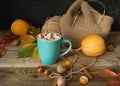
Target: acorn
point(61, 69)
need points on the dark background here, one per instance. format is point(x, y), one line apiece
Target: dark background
point(36, 11)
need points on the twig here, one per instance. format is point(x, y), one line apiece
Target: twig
point(86, 71)
point(82, 69)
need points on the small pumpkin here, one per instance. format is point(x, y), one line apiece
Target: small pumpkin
point(19, 27)
point(92, 45)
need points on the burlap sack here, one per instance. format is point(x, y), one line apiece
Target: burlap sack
point(85, 23)
point(75, 26)
point(52, 25)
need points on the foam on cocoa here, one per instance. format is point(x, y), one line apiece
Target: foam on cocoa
point(49, 36)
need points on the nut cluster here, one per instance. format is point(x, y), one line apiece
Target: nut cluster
point(41, 70)
point(62, 68)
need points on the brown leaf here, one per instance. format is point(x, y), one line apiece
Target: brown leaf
point(6, 39)
point(113, 83)
point(26, 38)
point(118, 76)
point(106, 75)
point(2, 52)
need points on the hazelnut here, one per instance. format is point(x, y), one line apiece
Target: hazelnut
point(68, 63)
point(83, 80)
point(110, 46)
point(61, 68)
point(39, 70)
point(46, 72)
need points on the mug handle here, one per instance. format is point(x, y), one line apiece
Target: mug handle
point(69, 48)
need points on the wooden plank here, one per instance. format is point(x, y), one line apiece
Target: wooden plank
point(26, 77)
point(16, 71)
point(11, 59)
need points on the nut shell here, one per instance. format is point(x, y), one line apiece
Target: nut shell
point(61, 69)
point(39, 70)
point(83, 80)
point(68, 63)
point(46, 72)
point(61, 81)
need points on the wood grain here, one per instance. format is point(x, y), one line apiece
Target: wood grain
point(28, 77)
point(16, 71)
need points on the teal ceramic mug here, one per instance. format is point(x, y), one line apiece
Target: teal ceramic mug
point(50, 50)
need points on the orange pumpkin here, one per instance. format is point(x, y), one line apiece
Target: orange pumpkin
point(19, 27)
point(93, 45)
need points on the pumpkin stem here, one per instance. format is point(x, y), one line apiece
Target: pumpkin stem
point(78, 49)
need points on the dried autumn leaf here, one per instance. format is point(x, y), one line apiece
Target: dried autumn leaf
point(6, 39)
point(26, 38)
point(26, 50)
point(2, 52)
point(113, 83)
point(35, 52)
point(106, 75)
point(119, 76)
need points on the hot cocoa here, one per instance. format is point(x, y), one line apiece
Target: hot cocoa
point(49, 36)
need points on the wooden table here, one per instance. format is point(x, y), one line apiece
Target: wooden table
point(16, 71)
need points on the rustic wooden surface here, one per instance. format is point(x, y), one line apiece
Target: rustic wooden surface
point(22, 71)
